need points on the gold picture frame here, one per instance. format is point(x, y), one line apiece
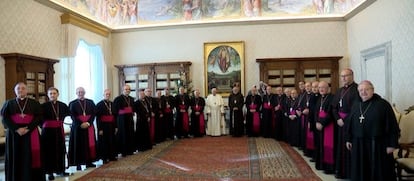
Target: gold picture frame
point(223, 66)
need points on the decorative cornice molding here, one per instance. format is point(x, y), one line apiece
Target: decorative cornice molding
point(68, 18)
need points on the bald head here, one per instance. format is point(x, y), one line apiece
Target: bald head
point(347, 77)
point(323, 87)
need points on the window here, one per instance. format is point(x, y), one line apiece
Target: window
point(89, 70)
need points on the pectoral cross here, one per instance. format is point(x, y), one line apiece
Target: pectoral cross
point(22, 115)
point(361, 118)
point(340, 103)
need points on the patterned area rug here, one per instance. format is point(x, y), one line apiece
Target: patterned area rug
point(210, 158)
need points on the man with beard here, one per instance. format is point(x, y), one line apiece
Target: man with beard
point(21, 116)
point(236, 102)
point(53, 137)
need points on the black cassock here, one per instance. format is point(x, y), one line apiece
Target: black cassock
point(159, 107)
point(82, 142)
point(22, 157)
point(324, 139)
point(268, 124)
point(142, 127)
point(292, 125)
point(182, 126)
point(372, 128)
point(279, 102)
point(53, 137)
point(123, 110)
point(253, 105)
point(168, 126)
point(236, 115)
point(198, 126)
point(341, 107)
point(105, 121)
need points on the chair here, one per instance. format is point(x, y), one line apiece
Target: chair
point(2, 139)
point(397, 113)
point(405, 154)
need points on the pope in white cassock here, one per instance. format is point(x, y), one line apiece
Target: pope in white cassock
point(215, 113)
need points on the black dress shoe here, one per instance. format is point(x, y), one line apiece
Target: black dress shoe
point(51, 177)
point(339, 177)
point(89, 165)
point(64, 174)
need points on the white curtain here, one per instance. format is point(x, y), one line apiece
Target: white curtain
point(89, 70)
point(76, 39)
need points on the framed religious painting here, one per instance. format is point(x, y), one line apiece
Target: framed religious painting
point(223, 66)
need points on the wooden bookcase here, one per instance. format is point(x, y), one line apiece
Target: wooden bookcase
point(156, 76)
point(36, 72)
point(288, 72)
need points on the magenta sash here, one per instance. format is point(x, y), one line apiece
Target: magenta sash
point(202, 126)
point(342, 115)
point(107, 118)
point(322, 114)
point(185, 118)
point(328, 144)
point(152, 129)
point(256, 119)
point(267, 106)
point(91, 135)
point(167, 110)
point(309, 140)
point(302, 123)
point(54, 124)
point(126, 110)
point(201, 119)
point(34, 137)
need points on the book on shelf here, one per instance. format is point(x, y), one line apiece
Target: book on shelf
point(30, 86)
point(41, 76)
point(41, 87)
point(30, 75)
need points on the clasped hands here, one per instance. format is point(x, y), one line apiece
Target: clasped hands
point(22, 131)
point(85, 125)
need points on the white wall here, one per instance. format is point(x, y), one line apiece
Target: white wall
point(261, 41)
point(30, 28)
point(381, 22)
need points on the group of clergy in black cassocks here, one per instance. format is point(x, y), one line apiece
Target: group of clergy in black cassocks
point(351, 134)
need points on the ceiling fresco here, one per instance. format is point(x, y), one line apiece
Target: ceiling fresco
point(121, 14)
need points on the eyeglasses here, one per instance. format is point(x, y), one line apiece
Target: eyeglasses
point(346, 75)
